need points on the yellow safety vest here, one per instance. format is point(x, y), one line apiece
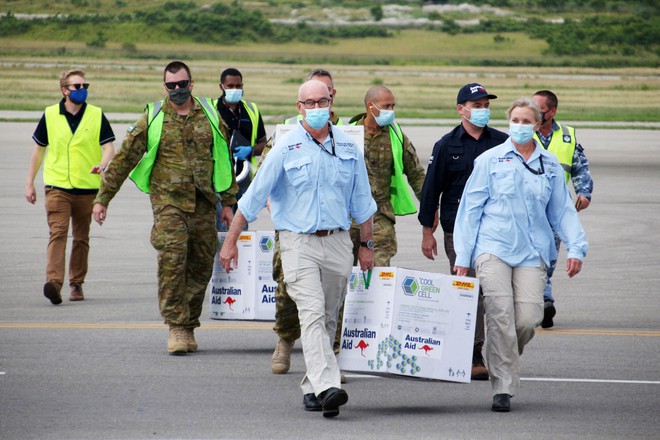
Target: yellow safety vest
point(141, 174)
point(562, 144)
point(71, 155)
point(253, 114)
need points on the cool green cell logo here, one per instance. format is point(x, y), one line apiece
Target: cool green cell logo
point(422, 287)
point(410, 286)
point(266, 243)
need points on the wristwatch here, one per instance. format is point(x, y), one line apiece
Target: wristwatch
point(369, 244)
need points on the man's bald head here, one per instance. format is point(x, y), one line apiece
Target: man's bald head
point(313, 89)
point(374, 94)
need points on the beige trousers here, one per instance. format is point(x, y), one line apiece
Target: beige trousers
point(513, 299)
point(316, 271)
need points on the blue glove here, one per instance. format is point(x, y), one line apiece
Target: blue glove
point(242, 153)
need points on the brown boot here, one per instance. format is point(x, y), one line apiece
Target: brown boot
point(176, 341)
point(52, 292)
point(281, 360)
point(190, 340)
point(76, 293)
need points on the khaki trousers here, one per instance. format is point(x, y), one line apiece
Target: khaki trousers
point(513, 299)
point(61, 208)
point(316, 271)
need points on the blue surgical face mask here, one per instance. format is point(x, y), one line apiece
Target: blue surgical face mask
point(385, 118)
point(317, 118)
point(521, 133)
point(479, 116)
point(78, 96)
point(233, 96)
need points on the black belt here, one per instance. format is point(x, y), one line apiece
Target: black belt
point(325, 232)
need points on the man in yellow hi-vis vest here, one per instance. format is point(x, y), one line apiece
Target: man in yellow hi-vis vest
point(79, 139)
point(246, 126)
point(177, 152)
point(560, 140)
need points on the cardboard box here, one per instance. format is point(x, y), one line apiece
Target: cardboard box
point(409, 323)
point(247, 292)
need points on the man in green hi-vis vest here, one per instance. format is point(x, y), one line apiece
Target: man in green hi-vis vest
point(177, 152)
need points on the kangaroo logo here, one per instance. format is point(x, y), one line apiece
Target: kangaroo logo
point(362, 345)
point(231, 302)
point(426, 349)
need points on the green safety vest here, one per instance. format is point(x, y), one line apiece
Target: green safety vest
point(402, 201)
point(562, 144)
point(71, 155)
point(222, 175)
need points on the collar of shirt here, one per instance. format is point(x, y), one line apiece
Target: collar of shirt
point(65, 112)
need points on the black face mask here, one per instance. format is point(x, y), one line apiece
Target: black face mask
point(180, 96)
point(543, 120)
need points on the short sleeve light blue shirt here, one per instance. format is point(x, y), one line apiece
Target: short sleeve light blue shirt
point(509, 211)
point(311, 189)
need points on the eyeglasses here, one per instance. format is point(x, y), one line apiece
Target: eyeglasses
point(78, 86)
point(310, 103)
point(182, 84)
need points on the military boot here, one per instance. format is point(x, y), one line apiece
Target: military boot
point(176, 342)
point(281, 360)
point(190, 340)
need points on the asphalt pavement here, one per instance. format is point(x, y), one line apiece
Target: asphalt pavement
point(98, 369)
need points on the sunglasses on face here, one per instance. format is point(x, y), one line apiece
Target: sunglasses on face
point(182, 84)
point(78, 86)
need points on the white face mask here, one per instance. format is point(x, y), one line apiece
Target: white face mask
point(233, 96)
point(521, 133)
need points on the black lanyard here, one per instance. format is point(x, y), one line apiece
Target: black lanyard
point(535, 172)
point(332, 142)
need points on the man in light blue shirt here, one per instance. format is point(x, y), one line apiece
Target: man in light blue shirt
point(316, 179)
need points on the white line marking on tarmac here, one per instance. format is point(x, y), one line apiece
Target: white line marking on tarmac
point(543, 379)
point(552, 379)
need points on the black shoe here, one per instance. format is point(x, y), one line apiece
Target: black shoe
point(501, 403)
point(311, 403)
point(549, 312)
point(52, 292)
point(331, 399)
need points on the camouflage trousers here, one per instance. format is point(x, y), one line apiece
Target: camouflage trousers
point(186, 244)
point(287, 325)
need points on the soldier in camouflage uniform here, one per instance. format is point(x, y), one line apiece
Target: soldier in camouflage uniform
point(182, 169)
point(381, 136)
point(560, 139)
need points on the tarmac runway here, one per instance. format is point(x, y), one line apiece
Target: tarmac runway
point(99, 368)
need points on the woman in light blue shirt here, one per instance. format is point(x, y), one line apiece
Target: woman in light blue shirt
point(513, 199)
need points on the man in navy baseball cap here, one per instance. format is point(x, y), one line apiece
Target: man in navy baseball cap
point(449, 168)
point(473, 92)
